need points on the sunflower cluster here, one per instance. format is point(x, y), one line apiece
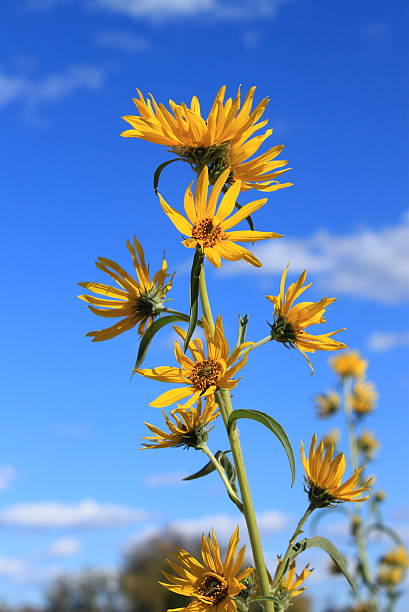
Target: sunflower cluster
point(223, 149)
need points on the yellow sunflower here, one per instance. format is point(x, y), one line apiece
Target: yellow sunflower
point(363, 398)
point(208, 228)
point(398, 556)
point(349, 363)
point(224, 140)
point(189, 427)
point(202, 375)
point(137, 300)
point(324, 477)
point(368, 444)
point(327, 404)
point(291, 321)
point(290, 584)
point(390, 576)
point(211, 583)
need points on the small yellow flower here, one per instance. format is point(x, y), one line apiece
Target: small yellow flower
point(327, 404)
point(380, 496)
point(208, 227)
point(189, 427)
point(137, 300)
point(211, 583)
point(223, 140)
point(368, 444)
point(363, 398)
point(203, 375)
point(332, 437)
point(349, 363)
point(290, 584)
point(291, 321)
point(390, 576)
point(324, 477)
point(398, 556)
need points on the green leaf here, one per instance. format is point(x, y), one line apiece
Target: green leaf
point(209, 467)
point(248, 219)
point(272, 425)
point(152, 330)
point(383, 529)
point(158, 172)
point(332, 551)
point(194, 294)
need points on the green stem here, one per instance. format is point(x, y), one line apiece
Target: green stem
point(204, 298)
point(254, 346)
point(353, 457)
point(176, 312)
point(224, 401)
point(298, 531)
point(223, 476)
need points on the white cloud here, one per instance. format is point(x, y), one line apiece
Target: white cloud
point(49, 88)
point(369, 264)
point(269, 521)
point(381, 341)
point(122, 41)
point(21, 572)
point(86, 514)
point(161, 10)
point(7, 475)
point(164, 479)
point(65, 547)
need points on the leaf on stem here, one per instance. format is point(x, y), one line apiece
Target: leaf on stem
point(159, 170)
point(272, 425)
point(151, 331)
point(194, 294)
point(209, 467)
point(331, 550)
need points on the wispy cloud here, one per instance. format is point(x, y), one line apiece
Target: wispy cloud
point(31, 92)
point(18, 571)
point(369, 264)
point(269, 521)
point(163, 10)
point(87, 514)
point(7, 476)
point(123, 41)
point(64, 547)
point(164, 479)
point(381, 341)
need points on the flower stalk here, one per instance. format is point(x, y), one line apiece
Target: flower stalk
point(223, 399)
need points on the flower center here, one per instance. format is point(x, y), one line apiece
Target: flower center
point(213, 587)
point(204, 374)
point(207, 233)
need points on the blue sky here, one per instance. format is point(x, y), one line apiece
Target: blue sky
point(75, 489)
